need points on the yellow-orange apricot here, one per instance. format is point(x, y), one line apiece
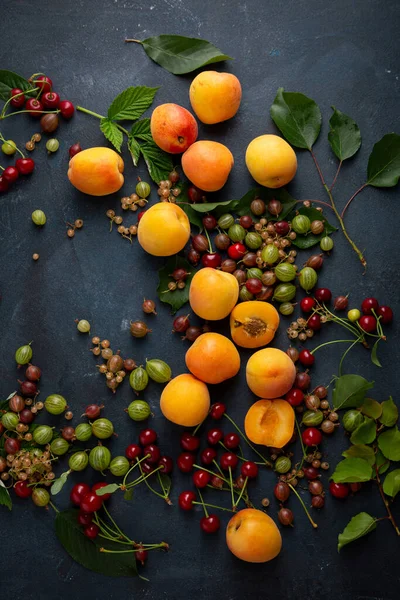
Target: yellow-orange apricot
point(253, 536)
point(213, 294)
point(270, 373)
point(253, 324)
point(185, 400)
point(272, 162)
point(96, 171)
point(173, 128)
point(207, 165)
point(270, 422)
point(164, 229)
point(214, 96)
point(213, 358)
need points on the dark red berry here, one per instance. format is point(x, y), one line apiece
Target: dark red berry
point(192, 333)
point(185, 462)
point(186, 500)
point(153, 453)
point(10, 174)
point(91, 502)
point(12, 445)
point(384, 312)
point(147, 436)
point(84, 518)
point(282, 227)
point(228, 459)
point(201, 478)
point(208, 455)
point(50, 100)
point(28, 388)
point(217, 482)
point(210, 524)
point(193, 256)
point(66, 108)
point(209, 222)
point(218, 410)
point(147, 468)
point(302, 381)
point(355, 487)
point(24, 166)
point(285, 516)
point(317, 501)
point(74, 149)
point(341, 303)
point(140, 215)
point(181, 324)
point(98, 486)
point(91, 531)
point(17, 102)
point(35, 108)
point(295, 397)
point(339, 490)
point(214, 436)
point(133, 451)
point(194, 194)
point(307, 304)
point(33, 373)
point(368, 305)
point(281, 491)
point(4, 184)
point(141, 556)
point(314, 322)
point(249, 469)
point(26, 416)
point(323, 295)
point(310, 472)
point(367, 323)
point(22, 489)
point(167, 464)
point(179, 274)
point(44, 83)
point(231, 441)
point(306, 358)
point(200, 243)
point(92, 411)
point(254, 285)
point(311, 436)
point(213, 261)
point(189, 442)
point(78, 491)
point(237, 251)
point(246, 221)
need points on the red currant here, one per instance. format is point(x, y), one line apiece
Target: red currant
point(153, 454)
point(91, 502)
point(194, 194)
point(209, 222)
point(339, 490)
point(166, 463)
point(24, 166)
point(237, 251)
point(368, 305)
point(295, 397)
point(231, 441)
point(189, 442)
point(210, 524)
point(201, 478)
point(50, 100)
point(74, 149)
point(78, 491)
point(17, 102)
point(133, 451)
point(4, 184)
point(306, 358)
point(282, 227)
point(311, 436)
point(213, 261)
point(214, 436)
point(314, 322)
point(254, 285)
point(307, 304)
point(141, 556)
point(147, 436)
point(91, 531)
point(249, 469)
point(84, 518)
point(310, 472)
point(385, 312)
point(34, 107)
point(367, 323)
point(44, 83)
point(218, 410)
point(323, 294)
point(185, 462)
point(246, 221)
point(186, 500)
point(66, 108)
point(208, 455)
point(228, 459)
point(22, 490)
point(98, 486)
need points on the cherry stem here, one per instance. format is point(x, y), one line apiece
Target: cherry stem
point(219, 469)
point(240, 456)
point(133, 467)
point(3, 112)
point(210, 248)
point(303, 505)
point(113, 522)
point(53, 507)
point(128, 40)
point(202, 503)
point(385, 501)
point(149, 486)
point(213, 506)
point(328, 343)
point(108, 532)
point(265, 461)
point(98, 116)
point(360, 189)
point(240, 495)
point(336, 176)
point(343, 322)
point(37, 112)
point(231, 486)
point(345, 353)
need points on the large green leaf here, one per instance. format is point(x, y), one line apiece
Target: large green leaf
point(130, 104)
point(391, 485)
point(5, 499)
point(179, 54)
point(360, 451)
point(352, 470)
point(175, 298)
point(384, 162)
point(389, 443)
point(112, 133)
point(310, 239)
point(350, 391)
point(371, 408)
point(159, 164)
point(10, 80)
point(344, 135)
point(134, 149)
point(360, 525)
point(298, 118)
point(365, 433)
point(141, 130)
point(390, 413)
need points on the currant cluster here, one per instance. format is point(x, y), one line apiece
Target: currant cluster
point(168, 189)
point(72, 227)
point(125, 232)
point(115, 367)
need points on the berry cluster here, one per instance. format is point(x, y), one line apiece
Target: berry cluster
point(168, 189)
point(72, 227)
point(115, 367)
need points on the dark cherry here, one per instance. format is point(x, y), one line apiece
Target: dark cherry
point(133, 451)
point(209, 222)
point(189, 442)
point(35, 107)
point(367, 323)
point(384, 312)
point(78, 491)
point(91, 531)
point(153, 453)
point(339, 490)
point(185, 462)
point(210, 524)
point(212, 260)
point(147, 436)
point(141, 556)
point(194, 194)
point(147, 468)
point(282, 227)
point(66, 108)
point(323, 295)
point(311, 436)
point(50, 100)
point(84, 518)
point(74, 149)
point(231, 440)
point(249, 469)
point(201, 478)
point(24, 166)
point(368, 305)
point(314, 322)
point(237, 251)
point(186, 500)
point(208, 455)
point(22, 489)
point(167, 464)
point(10, 174)
point(295, 397)
point(355, 487)
point(218, 410)
point(44, 83)
point(307, 304)
point(228, 460)
point(306, 358)
point(4, 184)
point(214, 436)
point(17, 102)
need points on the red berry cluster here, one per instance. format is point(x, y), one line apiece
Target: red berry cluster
point(89, 502)
point(147, 447)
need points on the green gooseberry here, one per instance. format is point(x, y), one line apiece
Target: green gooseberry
point(9, 147)
point(326, 244)
point(308, 278)
point(83, 432)
point(39, 218)
point(55, 404)
point(102, 428)
point(352, 419)
point(282, 464)
point(301, 224)
point(139, 410)
point(24, 354)
point(119, 466)
point(143, 189)
point(286, 308)
point(158, 370)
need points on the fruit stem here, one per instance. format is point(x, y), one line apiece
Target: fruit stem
point(385, 501)
point(107, 530)
point(212, 506)
point(17, 149)
point(220, 470)
point(328, 343)
point(360, 189)
point(38, 112)
point(336, 176)
point(318, 167)
point(231, 486)
point(240, 495)
point(149, 486)
point(128, 40)
point(303, 505)
point(265, 461)
point(210, 248)
point(167, 500)
point(133, 467)
point(202, 503)
point(345, 354)
point(3, 112)
point(53, 507)
point(114, 523)
point(315, 202)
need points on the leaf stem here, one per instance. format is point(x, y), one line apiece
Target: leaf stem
point(336, 176)
point(352, 198)
point(385, 501)
point(345, 353)
point(315, 202)
point(303, 505)
point(265, 461)
point(318, 167)
point(90, 112)
point(328, 343)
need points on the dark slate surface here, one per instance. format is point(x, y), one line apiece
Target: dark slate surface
point(342, 53)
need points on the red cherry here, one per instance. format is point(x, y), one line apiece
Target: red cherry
point(147, 468)
point(214, 436)
point(189, 442)
point(84, 518)
point(147, 436)
point(4, 184)
point(314, 322)
point(213, 261)
point(98, 486)
point(153, 454)
point(50, 100)
point(367, 323)
point(385, 312)
point(368, 305)
point(237, 251)
point(17, 102)
point(209, 222)
point(74, 149)
point(282, 227)
point(91, 531)
point(185, 462)
point(218, 410)
point(323, 294)
point(201, 478)
point(228, 459)
point(208, 455)
point(35, 107)
point(44, 83)
point(186, 500)
point(66, 108)
point(307, 304)
point(339, 490)
point(24, 166)
point(310, 472)
point(141, 556)
point(254, 285)
point(249, 469)
point(295, 397)
point(306, 358)
point(167, 463)
point(231, 441)
point(133, 451)
point(22, 490)
point(311, 436)
point(210, 524)
point(246, 221)
point(194, 194)
point(91, 502)
point(78, 491)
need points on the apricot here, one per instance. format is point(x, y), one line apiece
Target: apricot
point(207, 165)
point(253, 536)
point(185, 400)
point(96, 171)
point(214, 96)
point(164, 229)
point(271, 161)
point(213, 294)
point(270, 373)
point(253, 324)
point(213, 358)
point(173, 128)
point(270, 422)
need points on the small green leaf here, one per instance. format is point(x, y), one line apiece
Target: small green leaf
point(374, 354)
point(112, 133)
point(193, 216)
point(165, 482)
point(175, 298)
point(390, 413)
point(350, 391)
point(5, 499)
point(10, 80)
point(59, 483)
point(389, 443)
point(141, 130)
point(352, 470)
point(384, 162)
point(371, 408)
point(108, 489)
point(134, 149)
point(344, 135)
point(179, 54)
point(360, 525)
point(297, 117)
point(130, 104)
point(391, 485)
point(381, 462)
point(206, 207)
point(128, 495)
point(310, 239)
point(365, 433)
point(159, 164)
point(361, 451)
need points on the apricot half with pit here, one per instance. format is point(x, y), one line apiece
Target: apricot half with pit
point(253, 324)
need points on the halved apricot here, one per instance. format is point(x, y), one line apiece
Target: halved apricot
point(253, 323)
point(270, 423)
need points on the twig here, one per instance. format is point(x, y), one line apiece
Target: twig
point(386, 503)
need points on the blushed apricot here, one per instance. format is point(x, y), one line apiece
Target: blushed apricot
point(270, 422)
point(214, 96)
point(173, 128)
point(272, 162)
point(213, 294)
point(164, 229)
point(213, 358)
point(185, 400)
point(253, 324)
point(207, 165)
point(96, 171)
point(253, 536)
point(270, 373)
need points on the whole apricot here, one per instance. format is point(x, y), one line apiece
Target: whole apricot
point(164, 229)
point(272, 162)
point(96, 171)
point(214, 96)
point(253, 324)
point(207, 165)
point(270, 373)
point(253, 536)
point(185, 400)
point(270, 422)
point(213, 294)
point(213, 358)
point(173, 128)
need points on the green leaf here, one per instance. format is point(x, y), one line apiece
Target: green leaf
point(365, 433)
point(384, 162)
point(297, 117)
point(130, 104)
point(10, 80)
point(108, 489)
point(159, 164)
point(134, 149)
point(390, 413)
point(193, 216)
point(344, 135)
point(350, 391)
point(361, 451)
point(371, 408)
point(59, 483)
point(165, 482)
point(128, 495)
point(179, 54)
point(175, 298)
point(389, 443)
point(360, 525)
point(206, 207)
point(5, 499)
point(374, 354)
point(381, 462)
point(141, 130)
point(112, 133)
point(310, 240)
point(391, 485)
point(352, 470)
point(87, 552)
